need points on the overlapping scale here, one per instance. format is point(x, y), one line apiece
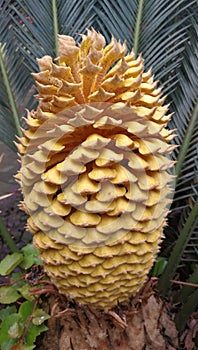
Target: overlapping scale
point(94, 169)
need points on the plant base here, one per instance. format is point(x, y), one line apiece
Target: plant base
point(140, 323)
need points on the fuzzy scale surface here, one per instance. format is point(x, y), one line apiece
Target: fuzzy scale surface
point(94, 169)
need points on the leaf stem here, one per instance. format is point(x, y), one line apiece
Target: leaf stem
point(188, 287)
point(10, 95)
point(5, 234)
point(22, 340)
point(185, 283)
point(188, 308)
point(137, 28)
point(55, 24)
point(164, 281)
point(186, 141)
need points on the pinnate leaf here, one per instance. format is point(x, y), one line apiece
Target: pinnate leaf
point(25, 292)
point(5, 327)
point(33, 332)
point(25, 310)
point(16, 330)
point(39, 316)
point(30, 257)
point(5, 312)
point(8, 294)
point(20, 346)
point(8, 264)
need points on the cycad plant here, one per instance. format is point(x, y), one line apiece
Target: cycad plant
point(165, 32)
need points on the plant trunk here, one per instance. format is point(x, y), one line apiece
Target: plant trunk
point(141, 323)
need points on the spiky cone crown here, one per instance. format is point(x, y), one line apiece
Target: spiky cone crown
point(94, 169)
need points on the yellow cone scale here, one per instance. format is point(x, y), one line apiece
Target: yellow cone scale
point(94, 169)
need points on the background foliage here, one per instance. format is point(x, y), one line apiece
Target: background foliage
point(165, 32)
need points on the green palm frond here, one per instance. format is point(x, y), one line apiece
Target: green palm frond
point(36, 26)
point(116, 18)
point(16, 87)
point(29, 31)
point(74, 17)
point(157, 29)
point(184, 98)
point(186, 121)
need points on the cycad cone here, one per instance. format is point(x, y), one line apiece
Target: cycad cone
point(94, 170)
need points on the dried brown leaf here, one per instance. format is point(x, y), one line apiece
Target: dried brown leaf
point(189, 334)
point(151, 314)
point(169, 328)
point(136, 332)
